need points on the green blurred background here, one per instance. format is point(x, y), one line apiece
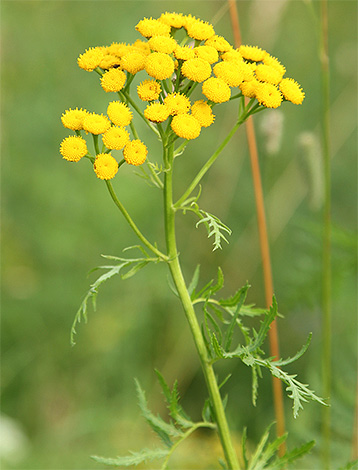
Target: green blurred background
point(61, 404)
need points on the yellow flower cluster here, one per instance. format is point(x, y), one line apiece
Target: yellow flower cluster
point(114, 137)
point(172, 70)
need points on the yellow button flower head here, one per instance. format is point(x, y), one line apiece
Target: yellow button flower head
point(292, 91)
point(203, 113)
point(91, 58)
point(274, 63)
point(208, 53)
point(140, 46)
point(149, 90)
point(232, 56)
point(253, 53)
point(119, 49)
point(164, 44)
point(133, 62)
point(135, 152)
point(156, 112)
point(229, 72)
point(266, 73)
point(174, 20)
point(186, 126)
point(105, 166)
point(159, 65)
point(115, 138)
point(198, 29)
point(96, 123)
point(219, 43)
point(216, 90)
point(109, 60)
point(184, 53)
point(73, 148)
point(73, 119)
point(196, 69)
point(119, 113)
point(149, 27)
point(268, 95)
point(247, 70)
point(177, 103)
point(248, 88)
point(113, 80)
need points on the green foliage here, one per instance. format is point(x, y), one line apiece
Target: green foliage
point(134, 265)
point(171, 434)
point(218, 331)
point(265, 454)
point(213, 225)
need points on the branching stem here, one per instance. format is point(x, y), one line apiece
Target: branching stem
point(176, 272)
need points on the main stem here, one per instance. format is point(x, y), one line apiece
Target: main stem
point(176, 272)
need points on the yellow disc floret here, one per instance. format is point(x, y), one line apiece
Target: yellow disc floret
point(96, 123)
point(115, 138)
point(135, 152)
point(133, 62)
point(268, 95)
point(164, 44)
point(219, 43)
point(216, 90)
point(177, 103)
point(73, 118)
point(149, 27)
point(266, 73)
point(105, 166)
point(198, 29)
point(274, 63)
point(159, 65)
point(149, 90)
point(196, 69)
point(119, 113)
point(203, 113)
point(229, 72)
point(113, 80)
point(174, 20)
point(292, 91)
point(253, 53)
point(73, 148)
point(184, 53)
point(156, 112)
point(208, 53)
point(186, 126)
point(248, 88)
point(91, 58)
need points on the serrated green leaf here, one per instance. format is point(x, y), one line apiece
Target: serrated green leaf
point(134, 270)
point(243, 446)
point(220, 282)
point(264, 328)
point(214, 226)
point(233, 301)
point(284, 362)
point(135, 458)
point(293, 455)
point(216, 346)
point(159, 426)
point(194, 281)
point(230, 331)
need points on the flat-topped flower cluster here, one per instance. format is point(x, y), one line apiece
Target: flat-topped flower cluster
point(178, 53)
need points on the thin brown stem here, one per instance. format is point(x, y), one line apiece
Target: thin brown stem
point(264, 245)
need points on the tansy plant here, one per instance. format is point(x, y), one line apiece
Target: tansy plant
point(187, 72)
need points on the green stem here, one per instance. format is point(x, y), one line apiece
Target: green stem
point(132, 224)
point(134, 106)
point(176, 272)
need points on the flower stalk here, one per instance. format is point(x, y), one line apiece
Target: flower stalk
point(177, 276)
